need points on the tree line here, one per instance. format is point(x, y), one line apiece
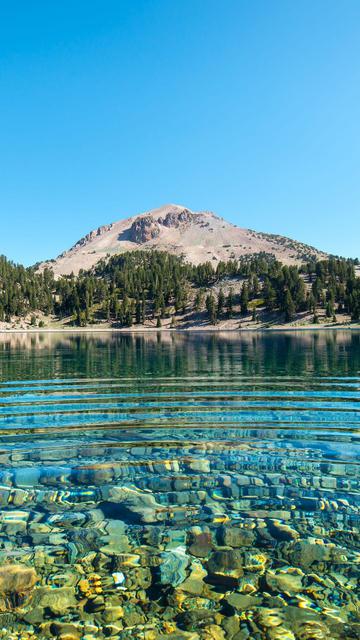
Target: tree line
point(135, 286)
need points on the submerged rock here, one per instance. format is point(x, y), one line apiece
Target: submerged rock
point(288, 580)
point(194, 584)
point(140, 504)
point(226, 566)
point(241, 602)
point(173, 566)
point(307, 553)
point(201, 543)
point(195, 619)
point(17, 582)
point(235, 536)
point(58, 601)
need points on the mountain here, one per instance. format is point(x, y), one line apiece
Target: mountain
point(198, 236)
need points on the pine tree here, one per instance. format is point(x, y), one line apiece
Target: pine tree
point(255, 286)
point(199, 300)
point(211, 308)
point(138, 314)
point(220, 302)
point(329, 309)
point(289, 306)
point(244, 299)
point(230, 303)
point(269, 296)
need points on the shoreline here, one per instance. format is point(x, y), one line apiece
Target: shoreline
point(75, 330)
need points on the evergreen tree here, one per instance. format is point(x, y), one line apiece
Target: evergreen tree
point(199, 300)
point(269, 296)
point(329, 310)
point(138, 312)
point(220, 302)
point(211, 308)
point(244, 299)
point(289, 307)
point(230, 303)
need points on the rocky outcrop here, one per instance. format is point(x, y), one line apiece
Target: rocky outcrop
point(144, 229)
point(178, 218)
point(100, 231)
point(93, 234)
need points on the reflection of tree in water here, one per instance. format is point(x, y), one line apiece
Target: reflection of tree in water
point(168, 354)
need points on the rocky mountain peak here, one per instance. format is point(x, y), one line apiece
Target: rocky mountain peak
point(197, 236)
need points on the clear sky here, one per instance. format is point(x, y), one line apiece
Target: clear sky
point(249, 108)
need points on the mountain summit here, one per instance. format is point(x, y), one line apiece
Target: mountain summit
point(198, 236)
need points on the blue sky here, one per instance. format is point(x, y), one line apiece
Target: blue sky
point(249, 108)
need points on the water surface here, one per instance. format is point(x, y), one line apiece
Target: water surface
point(175, 485)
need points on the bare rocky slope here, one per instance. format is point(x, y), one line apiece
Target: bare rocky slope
point(198, 236)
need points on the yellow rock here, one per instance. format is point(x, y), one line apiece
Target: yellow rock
point(17, 582)
point(111, 614)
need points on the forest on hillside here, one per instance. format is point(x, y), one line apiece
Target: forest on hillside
point(133, 287)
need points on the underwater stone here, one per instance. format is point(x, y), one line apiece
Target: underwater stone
point(13, 522)
point(195, 619)
point(115, 541)
point(173, 538)
point(56, 476)
point(226, 566)
point(26, 477)
point(235, 536)
point(255, 561)
point(309, 504)
point(57, 600)
point(281, 531)
point(194, 584)
point(65, 631)
point(133, 615)
point(6, 478)
point(17, 582)
point(19, 497)
point(4, 495)
point(141, 504)
point(95, 604)
point(198, 464)
point(231, 626)
point(201, 542)
point(174, 565)
point(289, 580)
point(241, 602)
point(113, 613)
point(305, 553)
point(96, 474)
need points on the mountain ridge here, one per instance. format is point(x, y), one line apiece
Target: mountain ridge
point(198, 236)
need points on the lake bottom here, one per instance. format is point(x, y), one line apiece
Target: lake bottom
point(200, 534)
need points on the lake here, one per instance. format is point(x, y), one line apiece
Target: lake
point(186, 486)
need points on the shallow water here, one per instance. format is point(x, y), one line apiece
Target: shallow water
point(186, 486)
